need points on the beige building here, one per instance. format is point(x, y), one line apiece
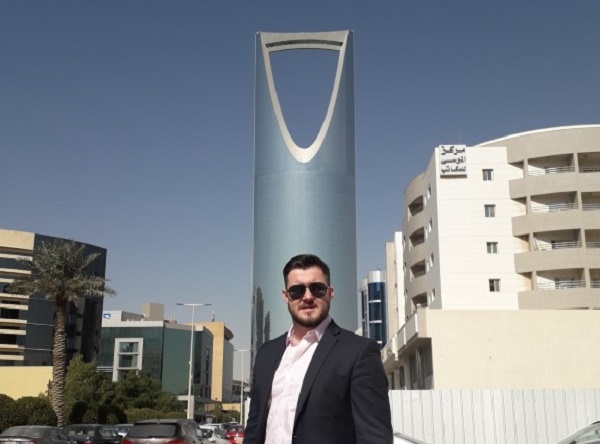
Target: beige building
point(26, 322)
point(18, 382)
point(496, 270)
point(222, 361)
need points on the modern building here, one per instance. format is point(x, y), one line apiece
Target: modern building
point(26, 322)
point(147, 334)
point(374, 307)
point(499, 281)
point(222, 361)
point(132, 343)
point(304, 197)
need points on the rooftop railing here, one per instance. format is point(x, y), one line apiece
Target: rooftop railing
point(419, 273)
point(553, 170)
point(558, 245)
point(554, 207)
point(561, 285)
point(594, 169)
point(590, 206)
point(592, 244)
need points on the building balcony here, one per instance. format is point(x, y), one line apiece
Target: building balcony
point(550, 208)
point(415, 207)
point(561, 284)
point(553, 170)
point(554, 221)
point(532, 185)
point(557, 259)
point(561, 296)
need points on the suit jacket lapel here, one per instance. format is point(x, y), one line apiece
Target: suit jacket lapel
point(324, 347)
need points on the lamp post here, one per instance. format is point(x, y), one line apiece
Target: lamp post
point(242, 388)
point(190, 406)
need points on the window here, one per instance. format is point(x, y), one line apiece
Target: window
point(494, 285)
point(488, 175)
point(490, 210)
point(492, 247)
point(128, 355)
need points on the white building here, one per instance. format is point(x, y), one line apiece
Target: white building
point(497, 242)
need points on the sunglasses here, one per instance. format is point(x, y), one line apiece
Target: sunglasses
point(317, 289)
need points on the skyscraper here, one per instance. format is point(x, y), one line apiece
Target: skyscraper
point(304, 198)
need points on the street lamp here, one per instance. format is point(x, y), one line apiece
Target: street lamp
point(190, 406)
point(242, 389)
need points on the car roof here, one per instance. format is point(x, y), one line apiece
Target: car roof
point(160, 421)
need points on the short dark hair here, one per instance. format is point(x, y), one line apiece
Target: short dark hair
point(303, 262)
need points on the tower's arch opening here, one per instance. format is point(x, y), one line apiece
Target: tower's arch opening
point(304, 80)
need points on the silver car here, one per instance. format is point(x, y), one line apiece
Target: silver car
point(589, 435)
point(400, 438)
point(215, 435)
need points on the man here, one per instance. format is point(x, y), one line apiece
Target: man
point(319, 383)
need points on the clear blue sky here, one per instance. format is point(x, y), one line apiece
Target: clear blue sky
point(129, 124)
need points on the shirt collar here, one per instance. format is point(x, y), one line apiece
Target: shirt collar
point(318, 331)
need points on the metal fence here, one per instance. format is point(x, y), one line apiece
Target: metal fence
point(493, 416)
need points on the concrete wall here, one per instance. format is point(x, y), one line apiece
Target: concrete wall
point(528, 349)
point(17, 382)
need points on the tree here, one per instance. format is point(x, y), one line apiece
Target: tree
point(142, 391)
point(59, 272)
point(84, 384)
point(7, 412)
point(85, 388)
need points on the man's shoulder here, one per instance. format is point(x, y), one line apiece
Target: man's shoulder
point(350, 336)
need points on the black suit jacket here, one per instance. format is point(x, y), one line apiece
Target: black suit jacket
point(344, 396)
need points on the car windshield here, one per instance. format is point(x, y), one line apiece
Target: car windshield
point(26, 432)
point(206, 433)
point(588, 435)
point(236, 429)
point(80, 430)
point(153, 431)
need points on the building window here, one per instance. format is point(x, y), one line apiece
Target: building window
point(492, 247)
point(127, 356)
point(490, 210)
point(494, 285)
point(488, 175)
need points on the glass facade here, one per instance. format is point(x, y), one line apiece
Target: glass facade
point(374, 303)
point(304, 198)
point(162, 351)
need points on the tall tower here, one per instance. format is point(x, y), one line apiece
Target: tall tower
point(304, 198)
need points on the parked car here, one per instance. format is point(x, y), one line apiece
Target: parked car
point(235, 434)
point(589, 435)
point(400, 438)
point(32, 434)
point(164, 431)
point(122, 429)
point(92, 434)
point(216, 435)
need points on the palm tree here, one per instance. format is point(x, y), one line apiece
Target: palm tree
point(58, 271)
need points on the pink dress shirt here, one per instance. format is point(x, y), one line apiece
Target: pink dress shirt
point(287, 383)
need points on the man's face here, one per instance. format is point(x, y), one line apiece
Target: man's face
point(308, 311)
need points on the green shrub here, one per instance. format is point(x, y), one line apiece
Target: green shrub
point(91, 415)
point(174, 415)
point(7, 407)
point(134, 415)
point(111, 414)
point(34, 410)
point(75, 416)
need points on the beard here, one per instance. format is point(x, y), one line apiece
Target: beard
point(309, 321)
